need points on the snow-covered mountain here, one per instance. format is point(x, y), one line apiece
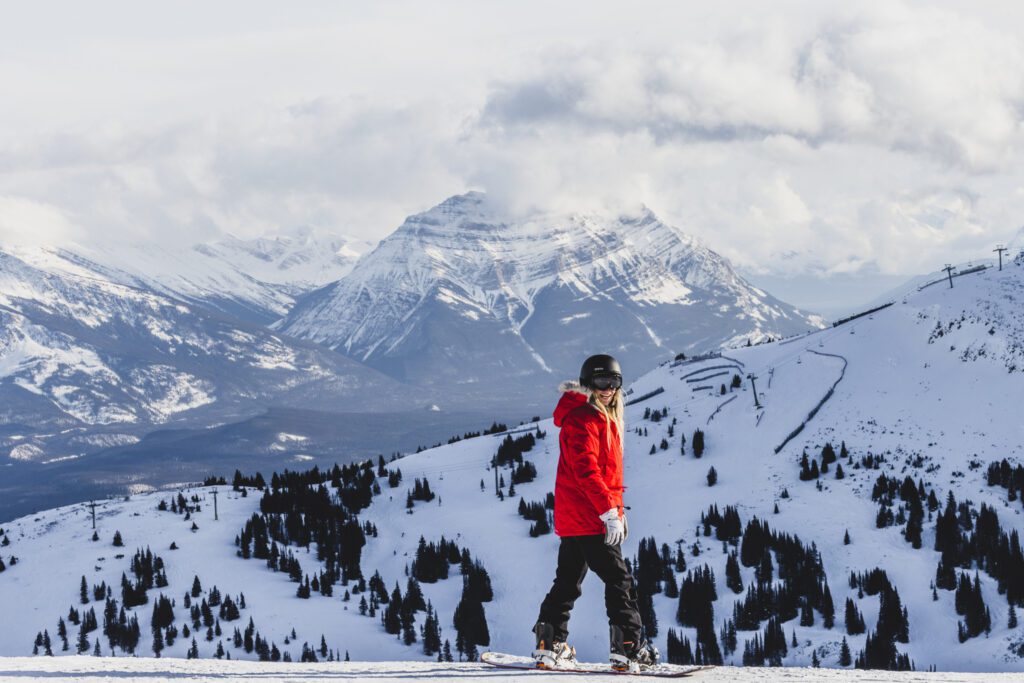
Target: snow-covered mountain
point(257, 280)
point(87, 362)
point(463, 296)
point(916, 401)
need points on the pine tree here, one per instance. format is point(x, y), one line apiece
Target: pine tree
point(846, 537)
point(805, 468)
point(62, 633)
point(854, 619)
point(83, 640)
point(844, 654)
point(732, 574)
point(828, 608)
point(118, 541)
point(83, 592)
point(697, 443)
point(712, 477)
point(392, 614)
point(807, 614)
point(470, 619)
point(431, 633)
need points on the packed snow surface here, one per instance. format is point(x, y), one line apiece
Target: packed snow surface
point(128, 669)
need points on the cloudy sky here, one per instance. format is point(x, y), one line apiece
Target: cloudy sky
point(831, 150)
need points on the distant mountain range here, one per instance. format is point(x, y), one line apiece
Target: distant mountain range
point(463, 296)
point(87, 362)
point(137, 355)
point(257, 280)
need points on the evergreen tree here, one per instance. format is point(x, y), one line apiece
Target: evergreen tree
point(854, 619)
point(805, 468)
point(470, 619)
point(732, 574)
point(807, 614)
point(844, 654)
point(827, 607)
point(414, 595)
point(431, 633)
point(393, 613)
point(62, 633)
point(697, 442)
point(712, 477)
point(83, 640)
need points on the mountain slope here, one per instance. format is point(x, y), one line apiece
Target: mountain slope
point(82, 355)
point(257, 280)
point(459, 294)
point(928, 389)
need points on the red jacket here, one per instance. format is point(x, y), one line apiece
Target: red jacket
point(589, 479)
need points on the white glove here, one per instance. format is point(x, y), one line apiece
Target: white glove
point(614, 528)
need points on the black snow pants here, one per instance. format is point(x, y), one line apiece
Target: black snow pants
point(575, 555)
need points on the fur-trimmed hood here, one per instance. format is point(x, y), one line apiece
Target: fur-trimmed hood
point(573, 385)
point(574, 395)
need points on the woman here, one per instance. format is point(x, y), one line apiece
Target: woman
point(590, 521)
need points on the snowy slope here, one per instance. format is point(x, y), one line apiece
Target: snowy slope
point(461, 293)
point(80, 351)
point(931, 405)
point(130, 669)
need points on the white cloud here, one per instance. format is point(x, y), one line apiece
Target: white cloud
point(25, 221)
point(794, 137)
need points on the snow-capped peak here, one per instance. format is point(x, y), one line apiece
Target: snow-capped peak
point(528, 284)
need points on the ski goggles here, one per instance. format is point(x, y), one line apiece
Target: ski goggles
point(606, 382)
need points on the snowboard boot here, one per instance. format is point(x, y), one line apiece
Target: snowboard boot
point(550, 654)
point(631, 656)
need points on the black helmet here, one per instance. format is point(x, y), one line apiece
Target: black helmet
point(600, 364)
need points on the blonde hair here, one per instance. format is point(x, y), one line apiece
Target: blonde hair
point(615, 410)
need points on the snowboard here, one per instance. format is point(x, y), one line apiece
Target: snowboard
point(506, 661)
